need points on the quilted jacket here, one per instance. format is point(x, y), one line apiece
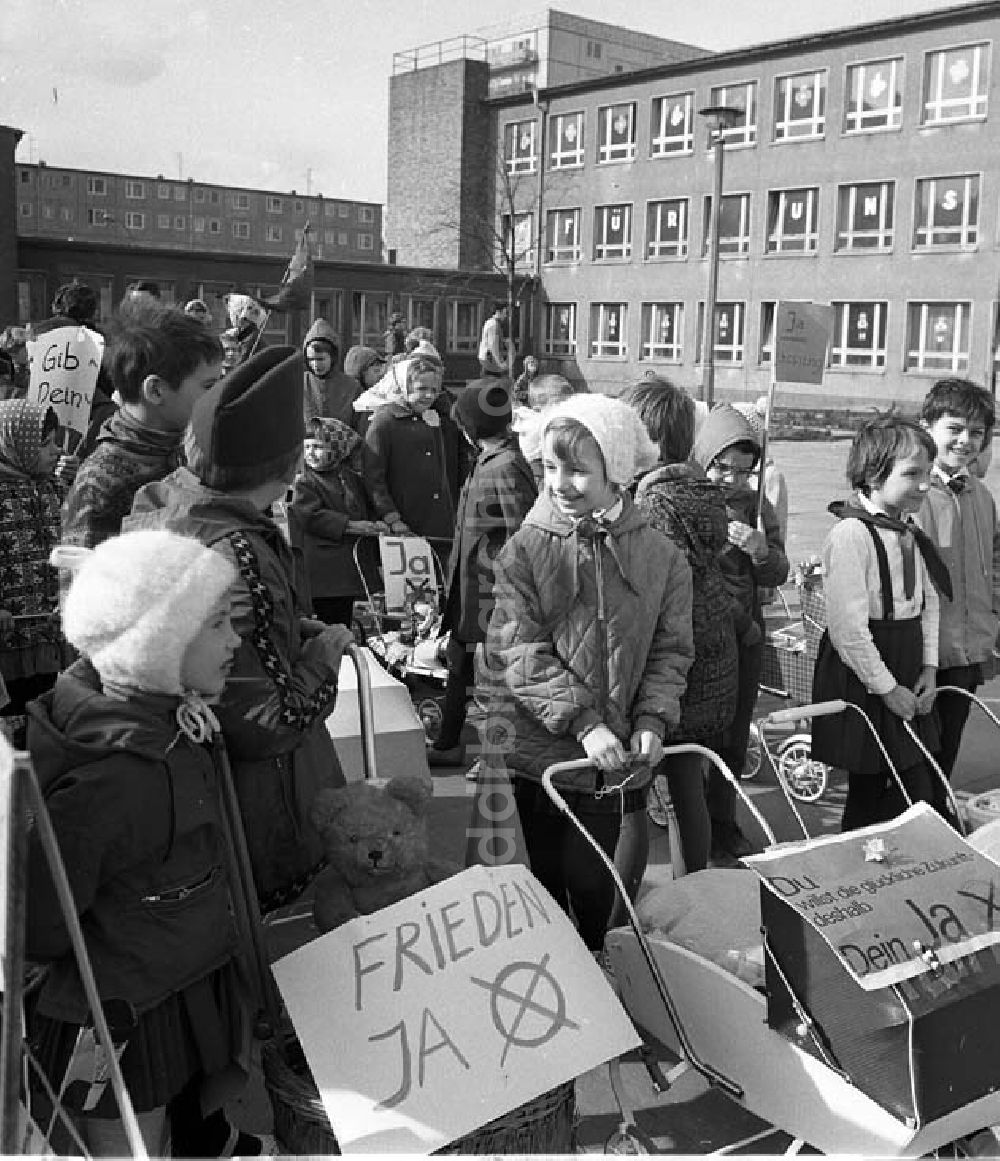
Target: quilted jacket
point(585, 630)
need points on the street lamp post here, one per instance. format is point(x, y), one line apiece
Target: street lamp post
point(720, 118)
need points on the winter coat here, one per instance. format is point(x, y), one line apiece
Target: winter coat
point(281, 687)
point(128, 455)
point(965, 530)
point(558, 669)
point(492, 506)
point(678, 501)
point(332, 395)
point(135, 808)
point(322, 504)
point(415, 469)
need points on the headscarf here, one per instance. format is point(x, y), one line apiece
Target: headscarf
point(392, 387)
point(339, 441)
point(22, 424)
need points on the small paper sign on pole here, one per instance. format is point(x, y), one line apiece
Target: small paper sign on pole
point(801, 338)
point(64, 367)
point(433, 1017)
point(408, 571)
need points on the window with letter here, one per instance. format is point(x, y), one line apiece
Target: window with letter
point(793, 221)
point(800, 106)
point(865, 216)
point(662, 331)
point(937, 336)
point(667, 228)
point(616, 133)
point(607, 330)
point(946, 212)
point(956, 84)
point(612, 232)
point(560, 328)
point(874, 98)
point(859, 334)
point(728, 332)
point(673, 125)
point(562, 236)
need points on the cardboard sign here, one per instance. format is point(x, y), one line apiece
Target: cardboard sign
point(64, 365)
point(431, 1018)
point(408, 571)
point(801, 338)
point(894, 900)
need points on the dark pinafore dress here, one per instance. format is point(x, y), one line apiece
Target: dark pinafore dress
point(843, 739)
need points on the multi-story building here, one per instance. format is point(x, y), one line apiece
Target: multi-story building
point(188, 215)
point(863, 170)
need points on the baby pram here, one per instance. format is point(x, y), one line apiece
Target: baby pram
point(721, 1023)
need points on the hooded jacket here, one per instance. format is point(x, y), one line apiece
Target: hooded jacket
point(723, 428)
point(332, 395)
point(136, 811)
point(281, 686)
point(585, 631)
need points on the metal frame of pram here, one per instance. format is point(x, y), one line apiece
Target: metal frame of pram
point(715, 1023)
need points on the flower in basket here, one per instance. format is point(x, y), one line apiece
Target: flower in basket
point(809, 571)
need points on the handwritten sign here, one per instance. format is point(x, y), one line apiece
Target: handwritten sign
point(431, 1018)
point(408, 571)
point(801, 338)
point(892, 900)
point(64, 365)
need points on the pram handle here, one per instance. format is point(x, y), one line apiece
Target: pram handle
point(819, 709)
point(366, 710)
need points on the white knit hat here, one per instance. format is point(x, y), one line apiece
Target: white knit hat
point(620, 433)
point(137, 601)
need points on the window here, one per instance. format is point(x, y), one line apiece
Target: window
point(25, 177)
point(560, 328)
point(241, 201)
point(366, 215)
point(342, 238)
point(163, 192)
point(937, 336)
point(343, 211)
point(66, 180)
point(865, 216)
point(199, 195)
point(369, 317)
point(793, 221)
point(800, 106)
point(366, 242)
point(667, 229)
point(272, 204)
point(97, 217)
point(607, 330)
point(47, 211)
point(519, 147)
point(956, 84)
point(594, 49)
point(27, 209)
point(662, 330)
point(97, 187)
point(199, 225)
point(180, 222)
point(765, 354)
point(562, 236)
point(612, 232)
point(728, 334)
point(673, 125)
point(180, 193)
point(422, 312)
point(135, 190)
point(874, 98)
point(241, 230)
point(330, 210)
point(616, 133)
point(742, 96)
point(300, 206)
point(65, 214)
point(859, 334)
point(214, 226)
point(946, 212)
point(734, 227)
point(330, 237)
point(163, 221)
point(566, 140)
point(519, 244)
point(462, 326)
point(272, 233)
point(134, 221)
point(214, 197)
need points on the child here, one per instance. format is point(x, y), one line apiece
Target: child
point(880, 648)
point(959, 515)
point(493, 503)
point(329, 393)
point(588, 645)
point(160, 361)
point(529, 372)
point(31, 648)
point(679, 501)
point(244, 447)
point(415, 460)
point(330, 509)
point(122, 748)
point(728, 450)
point(541, 392)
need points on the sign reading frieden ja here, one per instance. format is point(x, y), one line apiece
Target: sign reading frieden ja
point(408, 571)
point(435, 1016)
point(893, 901)
point(64, 366)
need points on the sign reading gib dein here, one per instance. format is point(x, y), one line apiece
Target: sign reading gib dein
point(64, 368)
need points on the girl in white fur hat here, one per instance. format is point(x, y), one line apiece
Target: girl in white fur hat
point(122, 747)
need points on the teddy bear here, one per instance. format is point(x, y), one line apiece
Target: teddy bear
point(375, 839)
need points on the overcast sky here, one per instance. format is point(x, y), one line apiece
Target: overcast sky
point(290, 94)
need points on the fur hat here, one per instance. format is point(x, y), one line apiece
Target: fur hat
point(137, 601)
point(620, 433)
point(484, 407)
point(247, 428)
point(358, 360)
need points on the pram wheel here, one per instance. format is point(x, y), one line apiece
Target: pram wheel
point(751, 764)
point(658, 801)
point(627, 1142)
point(802, 774)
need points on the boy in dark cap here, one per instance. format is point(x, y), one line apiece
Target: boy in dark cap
point(491, 506)
point(244, 448)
